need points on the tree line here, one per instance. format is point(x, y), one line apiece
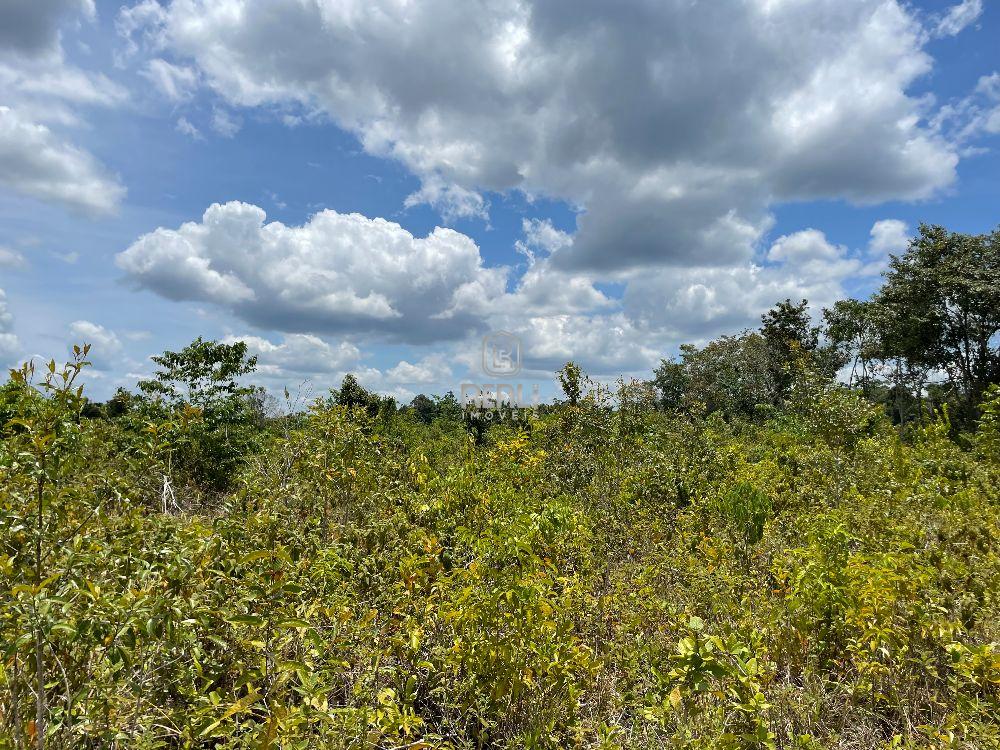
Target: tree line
point(925, 342)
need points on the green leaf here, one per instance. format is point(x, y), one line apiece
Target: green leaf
point(293, 623)
point(260, 554)
point(245, 620)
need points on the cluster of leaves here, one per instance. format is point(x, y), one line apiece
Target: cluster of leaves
point(606, 575)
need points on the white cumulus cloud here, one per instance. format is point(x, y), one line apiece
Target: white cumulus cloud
point(888, 237)
point(105, 346)
point(42, 91)
point(698, 304)
point(336, 273)
point(298, 354)
point(674, 127)
point(429, 370)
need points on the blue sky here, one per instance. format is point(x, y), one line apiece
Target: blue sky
point(371, 187)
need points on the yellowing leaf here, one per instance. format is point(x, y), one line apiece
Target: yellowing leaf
point(675, 697)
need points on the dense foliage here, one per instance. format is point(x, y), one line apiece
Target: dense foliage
point(743, 554)
point(928, 339)
point(595, 577)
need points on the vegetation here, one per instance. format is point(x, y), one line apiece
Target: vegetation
point(743, 553)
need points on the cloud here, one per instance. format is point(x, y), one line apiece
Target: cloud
point(35, 162)
point(540, 234)
point(611, 344)
point(888, 237)
point(298, 359)
point(700, 303)
point(369, 279)
point(299, 355)
point(10, 345)
point(959, 17)
point(429, 370)
point(175, 82)
point(225, 123)
point(184, 126)
point(276, 200)
point(105, 344)
point(39, 82)
point(31, 27)
point(33, 69)
point(673, 127)
point(548, 290)
point(450, 200)
point(988, 87)
point(337, 273)
point(970, 117)
point(41, 90)
point(11, 258)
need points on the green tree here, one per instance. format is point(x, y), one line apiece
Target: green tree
point(354, 396)
point(424, 408)
point(572, 381)
point(429, 409)
point(671, 383)
point(14, 394)
point(853, 329)
point(789, 336)
point(448, 408)
point(733, 374)
point(942, 309)
point(204, 374)
point(199, 388)
point(43, 438)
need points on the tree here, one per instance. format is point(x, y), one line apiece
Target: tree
point(203, 374)
point(428, 409)
point(852, 327)
point(355, 396)
point(199, 389)
point(571, 380)
point(118, 404)
point(448, 408)
point(733, 374)
point(789, 335)
point(942, 309)
point(671, 383)
point(46, 440)
point(786, 325)
point(13, 396)
point(424, 408)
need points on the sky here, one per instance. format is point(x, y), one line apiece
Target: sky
point(373, 186)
